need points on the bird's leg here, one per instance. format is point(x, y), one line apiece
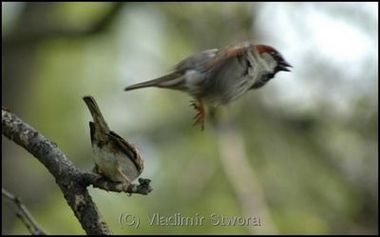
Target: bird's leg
point(200, 115)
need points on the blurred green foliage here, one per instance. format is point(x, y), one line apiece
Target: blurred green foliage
point(315, 165)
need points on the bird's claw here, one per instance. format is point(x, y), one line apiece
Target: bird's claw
point(199, 117)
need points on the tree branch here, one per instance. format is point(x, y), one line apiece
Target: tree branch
point(99, 182)
point(72, 181)
point(24, 214)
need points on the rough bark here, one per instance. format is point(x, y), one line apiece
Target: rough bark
point(72, 181)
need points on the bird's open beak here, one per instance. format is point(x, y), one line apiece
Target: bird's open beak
point(283, 66)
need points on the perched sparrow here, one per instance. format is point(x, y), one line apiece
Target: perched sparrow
point(115, 158)
point(218, 76)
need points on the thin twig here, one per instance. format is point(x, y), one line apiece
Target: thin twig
point(23, 213)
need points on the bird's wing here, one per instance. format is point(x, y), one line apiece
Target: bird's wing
point(196, 61)
point(229, 53)
point(230, 62)
point(129, 150)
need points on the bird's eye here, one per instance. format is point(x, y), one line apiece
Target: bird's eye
point(274, 54)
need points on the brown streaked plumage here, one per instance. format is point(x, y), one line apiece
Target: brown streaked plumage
point(115, 158)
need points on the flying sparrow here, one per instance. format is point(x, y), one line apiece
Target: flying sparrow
point(115, 158)
point(218, 76)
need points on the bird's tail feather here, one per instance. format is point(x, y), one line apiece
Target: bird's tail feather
point(96, 114)
point(173, 80)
